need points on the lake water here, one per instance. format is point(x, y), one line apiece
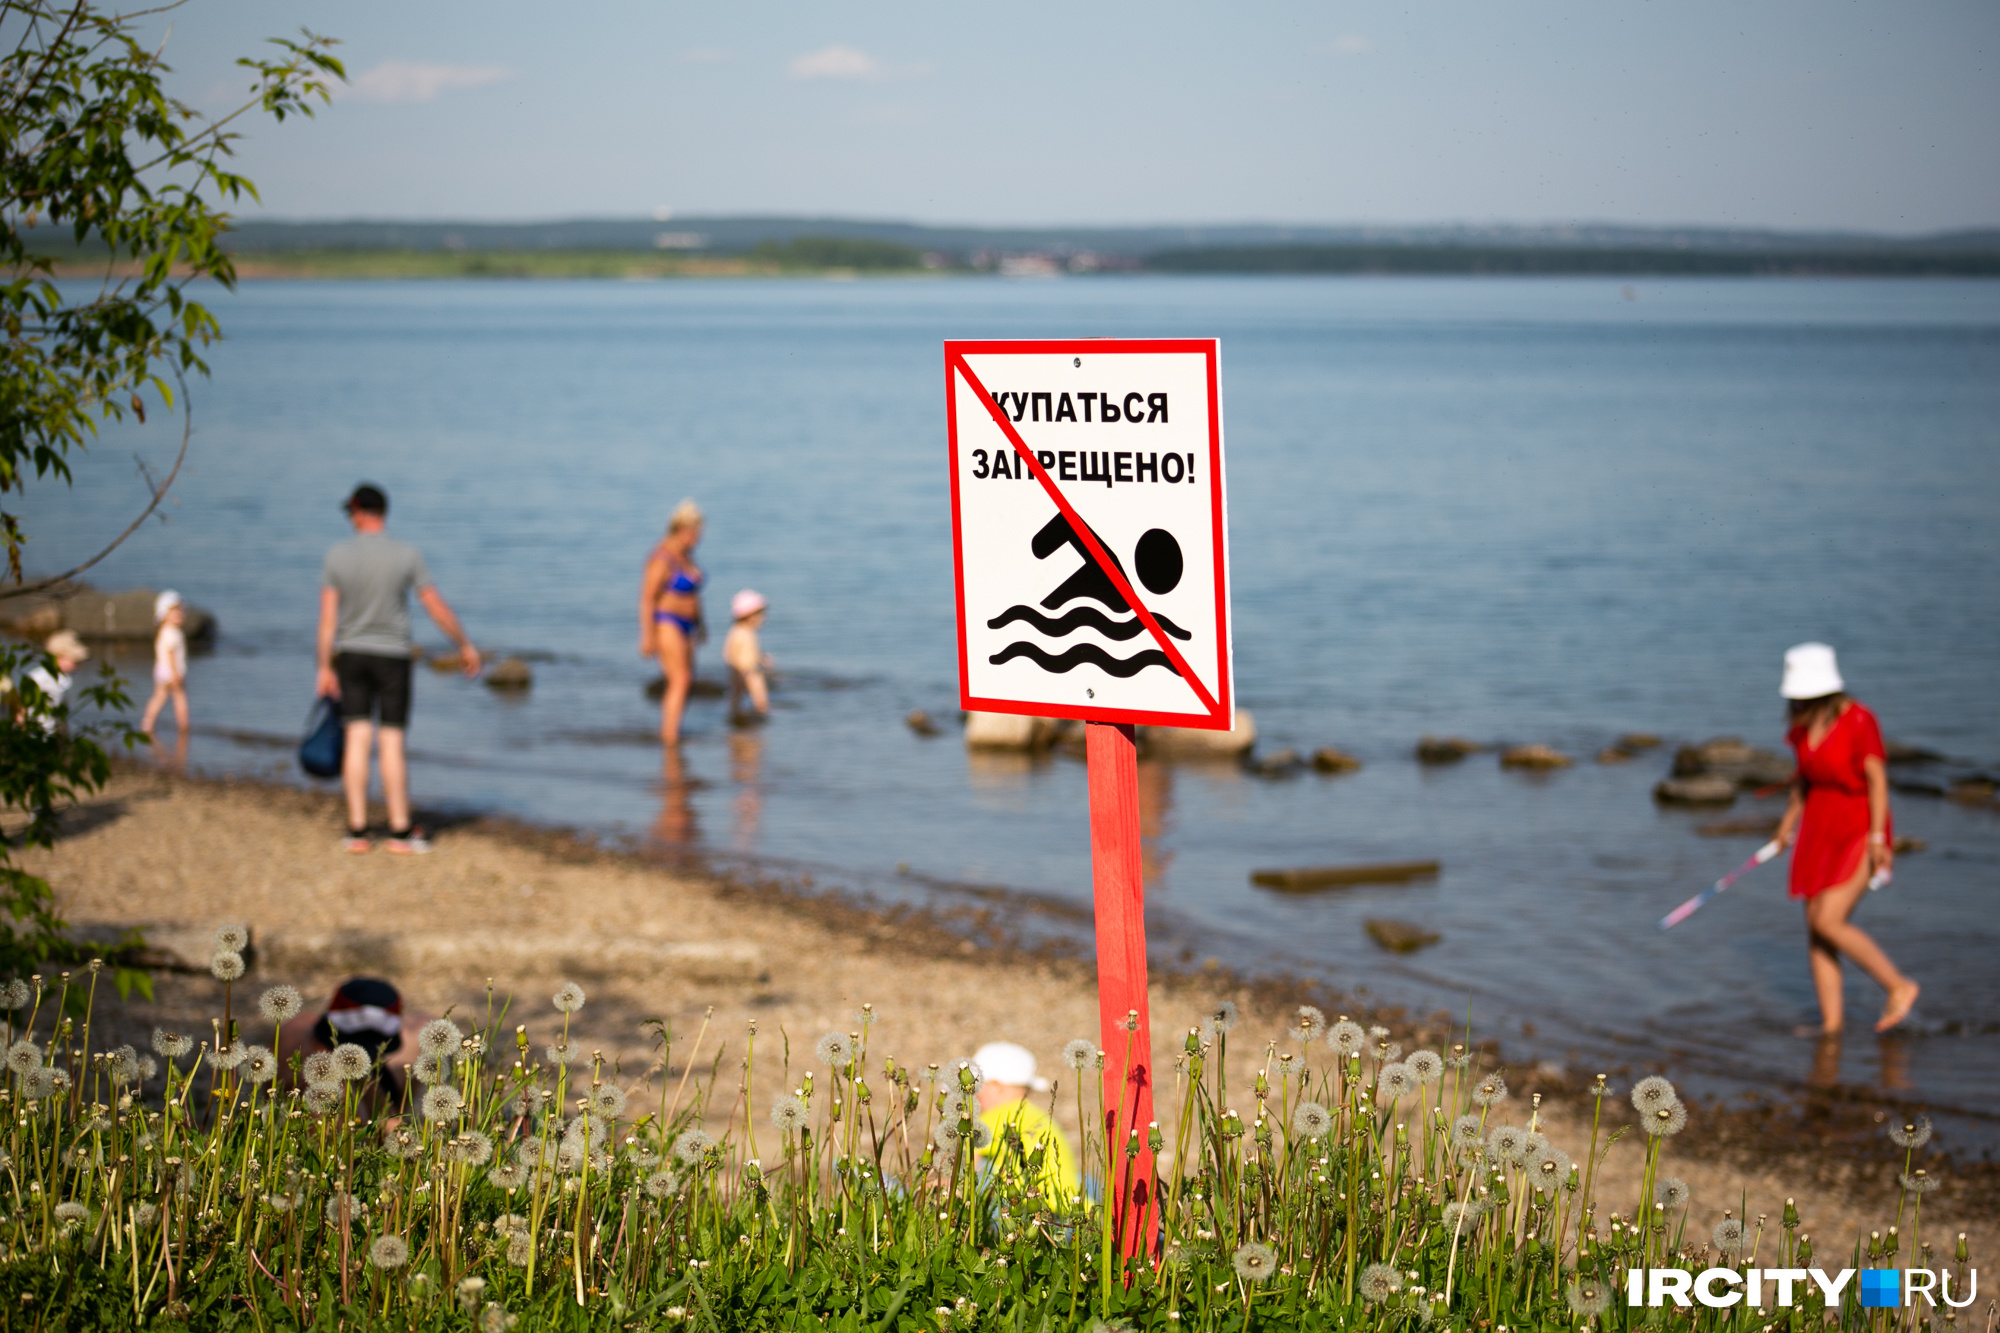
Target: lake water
point(1516, 510)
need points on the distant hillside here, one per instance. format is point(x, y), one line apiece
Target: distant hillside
point(1554, 260)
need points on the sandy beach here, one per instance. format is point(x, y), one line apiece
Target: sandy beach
point(510, 912)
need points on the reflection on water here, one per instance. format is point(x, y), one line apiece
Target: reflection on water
point(746, 765)
point(678, 828)
point(1892, 1062)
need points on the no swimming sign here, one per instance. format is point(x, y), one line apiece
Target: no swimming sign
point(1088, 521)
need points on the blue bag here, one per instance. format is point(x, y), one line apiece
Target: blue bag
point(325, 740)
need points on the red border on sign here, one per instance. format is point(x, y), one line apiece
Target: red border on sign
point(1219, 712)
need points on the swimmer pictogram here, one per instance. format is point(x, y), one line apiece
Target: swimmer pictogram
point(1158, 561)
point(1087, 490)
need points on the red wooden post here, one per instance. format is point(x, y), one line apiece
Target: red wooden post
point(1120, 890)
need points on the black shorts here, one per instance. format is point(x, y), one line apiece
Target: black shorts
point(369, 682)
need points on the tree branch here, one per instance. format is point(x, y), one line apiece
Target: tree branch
point(159, 494)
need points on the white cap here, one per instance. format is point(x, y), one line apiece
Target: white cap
point(1004, 1062)
point(1810, 672)
point(747, 603)
point(164, 603)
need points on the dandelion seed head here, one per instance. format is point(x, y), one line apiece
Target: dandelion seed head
point(389, 1252)
point(226, 965)
point(1466, 1133)
point(280, 1004)
point(1668, 1120)
point(443, 1102)
point(790, 1114)
point(1728, 1236)
point(834, 1050)
point(510, 1175)
point(352, 1062)
point(1651, 1094)
point(1459, 1217)
point(560, 1054)
point(1548, 1169)
point(1918, 1182)
point(125, 1066)
point(470, 1291)
point(22, 1056)
point(429, 1069)
point(1489, 1091)
point(144, 1215)
point(1346, 1036)
point(1588, 1298)
point(495, 1319)
point(472, 1147)
point(1308, 1024)
point(1223, 1015)
point(439, 1037)
point(520, 1249)
point(72, 1211)
point(662, 1185)
point(1077, 1054)
point(258, 1064)
point(948, 1134)
point(234, 938)
point(322, 1098)
point(344, 1207)
point(692, 1146)
point(1508, 1143)
point(1312, 1121)
point(38, 1083)
point(958, 1068)
point(1254, 1262)
point(608, 1101)
point(228, 1057)
point(982, 1135)
point(1378, 1282)
point(1911, 1133)
point(1395, 1081)
point(171, 1045)
point(1428, 1066)
point(1673, 1192)
point(568, 998)
point(15, 995)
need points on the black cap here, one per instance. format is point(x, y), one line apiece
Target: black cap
point(368, 499)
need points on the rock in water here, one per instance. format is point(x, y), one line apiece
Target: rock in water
point(1695, 791)
point(1277, 764)
point(1729, 757)
point(1006, 731)
point(1327, 759)
point(1539, 757)
point(1399, 936)
point(1192, 743)
point(1740, 828)
point(445, 662)
point(1634, 741)
point(1614, 755)
point(1445, 749)
point(509, 673)
point(920, 722)
point(1900, 753)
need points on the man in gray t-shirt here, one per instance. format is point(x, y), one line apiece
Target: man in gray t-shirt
point(366, 655)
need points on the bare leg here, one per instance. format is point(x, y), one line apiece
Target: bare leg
point(677, 665)
point(1834, 935)
point(354, 772)
point(153, 707)
point(180, 709)
point(395, 780)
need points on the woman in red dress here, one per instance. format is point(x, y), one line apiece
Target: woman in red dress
point(1839, 818)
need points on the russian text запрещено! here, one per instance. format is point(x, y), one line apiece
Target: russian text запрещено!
point(1087, 465)
point(1101, 409)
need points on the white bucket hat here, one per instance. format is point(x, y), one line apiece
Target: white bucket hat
point(164, 603)
point(1810, 672)
point(1004, 1062)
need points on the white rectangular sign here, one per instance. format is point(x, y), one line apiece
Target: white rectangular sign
point(1089, 527)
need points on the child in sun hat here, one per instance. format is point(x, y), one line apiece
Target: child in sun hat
point(1008, 1073)
point(1838, 816)
point(745, 656)
point(170, 662)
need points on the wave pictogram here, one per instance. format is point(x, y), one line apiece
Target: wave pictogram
point(1077, 654)
point(1080, 618)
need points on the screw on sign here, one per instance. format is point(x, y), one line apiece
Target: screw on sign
point(1091, 549)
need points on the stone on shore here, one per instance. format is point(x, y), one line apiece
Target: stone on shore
point(510, 673)
point(1695, 791)
point(1192, 743)
point(1534, 757)
point(1328, 759)
point(1445, 749)
point(1399, 936)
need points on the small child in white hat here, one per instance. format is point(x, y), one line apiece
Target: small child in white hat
point(170, 663)
point(745, 656)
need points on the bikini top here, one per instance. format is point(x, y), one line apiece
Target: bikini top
point(681, 583)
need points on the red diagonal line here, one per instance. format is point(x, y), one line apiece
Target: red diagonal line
point(1084, 534)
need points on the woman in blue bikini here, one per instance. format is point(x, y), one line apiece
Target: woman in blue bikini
point(670, 613)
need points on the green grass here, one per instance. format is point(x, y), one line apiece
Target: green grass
point(532, 1186)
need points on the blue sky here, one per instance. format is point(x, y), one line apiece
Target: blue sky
point(1876, 116)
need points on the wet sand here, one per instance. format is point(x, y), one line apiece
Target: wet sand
point(524, 910)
